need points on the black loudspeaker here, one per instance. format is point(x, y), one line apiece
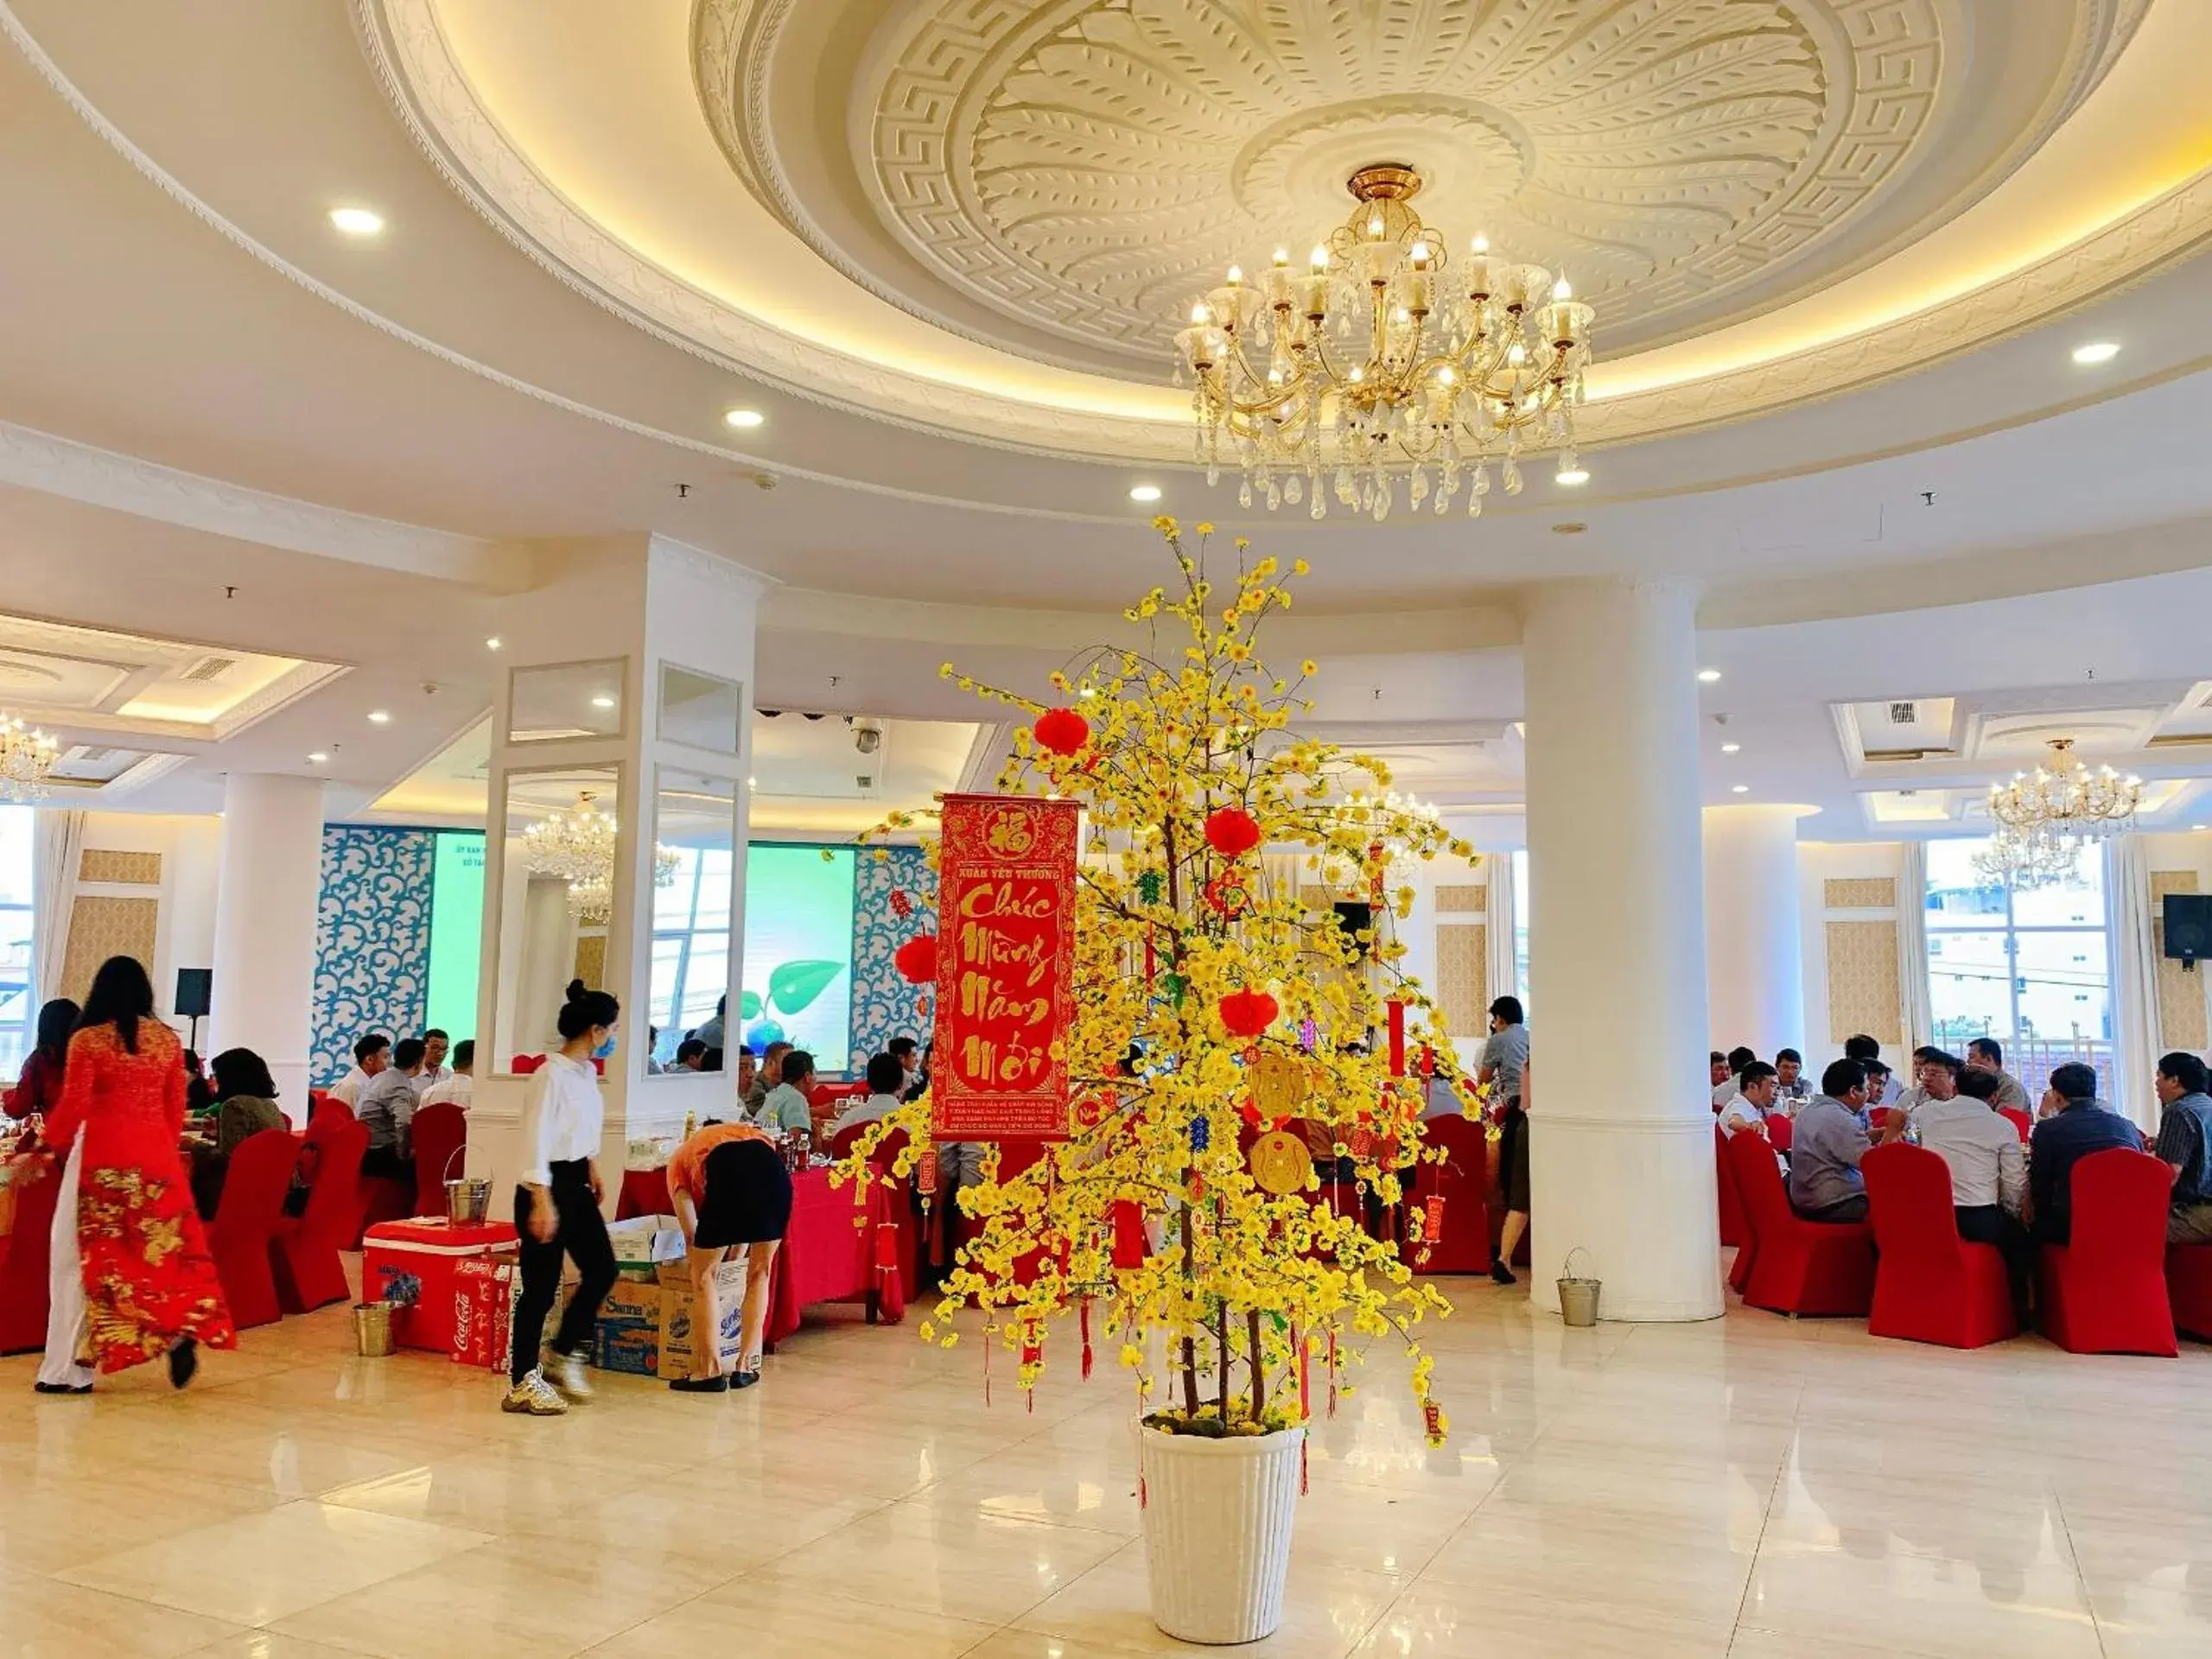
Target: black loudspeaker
point(2189, 926)
point(194, 986)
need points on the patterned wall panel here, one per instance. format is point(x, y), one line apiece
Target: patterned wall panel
point(1860, 892)
point(373, 938)
point(884, 1005)
point(123, 869)
point(1462, 898)
point(101, 928)
point(2182, 1015)
point(591, 960)
point(1462, 977)
point(1863, 980)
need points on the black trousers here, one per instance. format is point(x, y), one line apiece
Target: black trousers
point(581, 1237)
point(1987, 1224)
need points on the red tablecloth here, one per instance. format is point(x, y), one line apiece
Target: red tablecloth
point(827, 1258)
point(645, 1192)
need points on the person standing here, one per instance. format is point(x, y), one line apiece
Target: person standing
point(2185, 1145)
point(728, 1211)
point(39, 1089)
point(1506, 1051)
point(131, 1277)
point(556, 1210)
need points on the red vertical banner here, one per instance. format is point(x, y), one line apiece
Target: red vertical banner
point(1004, 967)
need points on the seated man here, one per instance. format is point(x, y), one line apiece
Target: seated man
point(1728, 1087)
point(784, 1108)
point(2185, 1144)
point(433, 1071)
point(1790, 1077)
point(458, 1086)
point(371, 1055)
point(1959, 1122)
point(691, 1055)
point(2076, 1127)
point(1756, 1099)
point(887, 1081)
point(2011, 1093)
point(1878, 1085)
point(1825, 1184)
point(1909, 1100)
point(387, 1108)
point(769, 1074)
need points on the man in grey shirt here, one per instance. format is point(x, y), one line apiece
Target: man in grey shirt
point(2011, 1093)
point(1829, 1142)
point(1506, 1054)
point(387, 1108)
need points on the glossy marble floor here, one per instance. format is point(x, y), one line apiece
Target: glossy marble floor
point(1749, 1487)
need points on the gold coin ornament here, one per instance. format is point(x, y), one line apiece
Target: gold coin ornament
point(1281, 1163)
point(1278, 1085)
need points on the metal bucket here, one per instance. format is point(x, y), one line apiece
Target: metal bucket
point(1577, 1296)
point(372, 1329)
point(468, 1200)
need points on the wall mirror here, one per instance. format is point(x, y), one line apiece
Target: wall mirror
point(556, 912)
point(700, 710)
point(695, 866)
point(565, 702)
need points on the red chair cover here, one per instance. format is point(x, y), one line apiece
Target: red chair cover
point(2019, 1120)
point(25, 1256)
point(304, 1255)
point(523, 1064)
point(1800, 1267)
point(1747, 1252)
point(2105, 1293)
point(1780, 1132)
point(246, 1224)
point(1462, 1182)
point(1732, 1206)
point(1929, 1285)
point(2189, 1288)
point(438, 1132)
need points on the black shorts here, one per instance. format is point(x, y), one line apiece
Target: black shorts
point(747, 1195)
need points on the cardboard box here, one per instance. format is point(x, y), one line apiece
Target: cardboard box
point(679, 1330)
point(627, 1336)
point(644, 1242)
point(646, 1330)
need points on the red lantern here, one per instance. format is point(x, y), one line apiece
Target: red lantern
point(916, 960)
point(1248, 1014)
point(1232, 831)
point(1131, 1247)
point(1062, 730)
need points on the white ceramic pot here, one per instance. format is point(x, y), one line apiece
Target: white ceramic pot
point(1217, 1519)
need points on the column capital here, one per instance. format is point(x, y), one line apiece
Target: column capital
point(1566, 592)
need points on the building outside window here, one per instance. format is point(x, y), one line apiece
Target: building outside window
point(2031, 969)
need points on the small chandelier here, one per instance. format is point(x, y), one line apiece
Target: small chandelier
point(2028, 861)
point(27, 760)
point(2045, 817)
point(1385, 359)
point(575, 844)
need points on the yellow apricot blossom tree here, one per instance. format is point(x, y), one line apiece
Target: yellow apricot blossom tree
point(1227, 1026)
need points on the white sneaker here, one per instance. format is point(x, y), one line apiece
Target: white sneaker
point(533, 1397)
point(567, 1373)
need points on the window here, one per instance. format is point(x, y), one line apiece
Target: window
point(18, 995)
point(2028, 967)
point(690, 945)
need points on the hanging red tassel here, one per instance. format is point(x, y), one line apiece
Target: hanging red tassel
point(1301, 1469)
point(1305, 1376)
point(1396, 1011)
point(1129, 1241)
point(925, 1172)
point(1082, 1322)
point(1142, 1502)
point(1332, 1373)
point(1431, 1416)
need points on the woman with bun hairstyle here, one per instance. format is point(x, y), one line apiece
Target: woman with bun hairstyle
point(557, 1211)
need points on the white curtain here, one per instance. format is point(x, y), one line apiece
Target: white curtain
point(1913, 1012)
point(2134, 978)
point(1504, 975)
point(57, 843)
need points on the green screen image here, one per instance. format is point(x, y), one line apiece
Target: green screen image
point(799, 950)
point(456, 931)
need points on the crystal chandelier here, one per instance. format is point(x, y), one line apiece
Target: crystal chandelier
point(27, 760)
point(2028, 861)
point(2045, 817)
point(1386, 360)
point(575, 844)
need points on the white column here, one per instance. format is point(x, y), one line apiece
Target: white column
point(1754, 963)
point(265, 904)
point(1621, 1120)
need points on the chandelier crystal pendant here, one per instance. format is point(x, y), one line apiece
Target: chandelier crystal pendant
point(27, 760)
point(2045, 817)
point(1386, 360)
point(575, 844)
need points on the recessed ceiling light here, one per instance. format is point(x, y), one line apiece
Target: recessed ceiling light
point(1145, 493)
point(1571, 475)
point(494, 643)
point(1740, 789)
point(2097, 351)
point(750, 782)
point(1707, 676)
point(1572, 527)
point(357, 221)
point(1730, 748)
point(745, 419)
point(380, 716)
point(602, 701)
point(317, 759)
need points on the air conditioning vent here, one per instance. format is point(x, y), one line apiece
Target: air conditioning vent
point(211, 668)
point(864, 779)
point(1905, 714)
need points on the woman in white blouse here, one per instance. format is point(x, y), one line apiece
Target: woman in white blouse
point(557, 1211)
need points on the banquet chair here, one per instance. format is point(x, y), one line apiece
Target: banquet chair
point(2105, 1291)
point(1462, 1181)
point(2019, 1120)
point(1780, 1133)
point(245, 1224)
point(1732, 1206)
point(1747, 1250)
point(304, 1253)
point(439, 1134)
point(1930, 1284)
point(2189, 1288)
point(523, 1064)
point(1799, 1266)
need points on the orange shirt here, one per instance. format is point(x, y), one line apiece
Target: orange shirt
point(687, 1169)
